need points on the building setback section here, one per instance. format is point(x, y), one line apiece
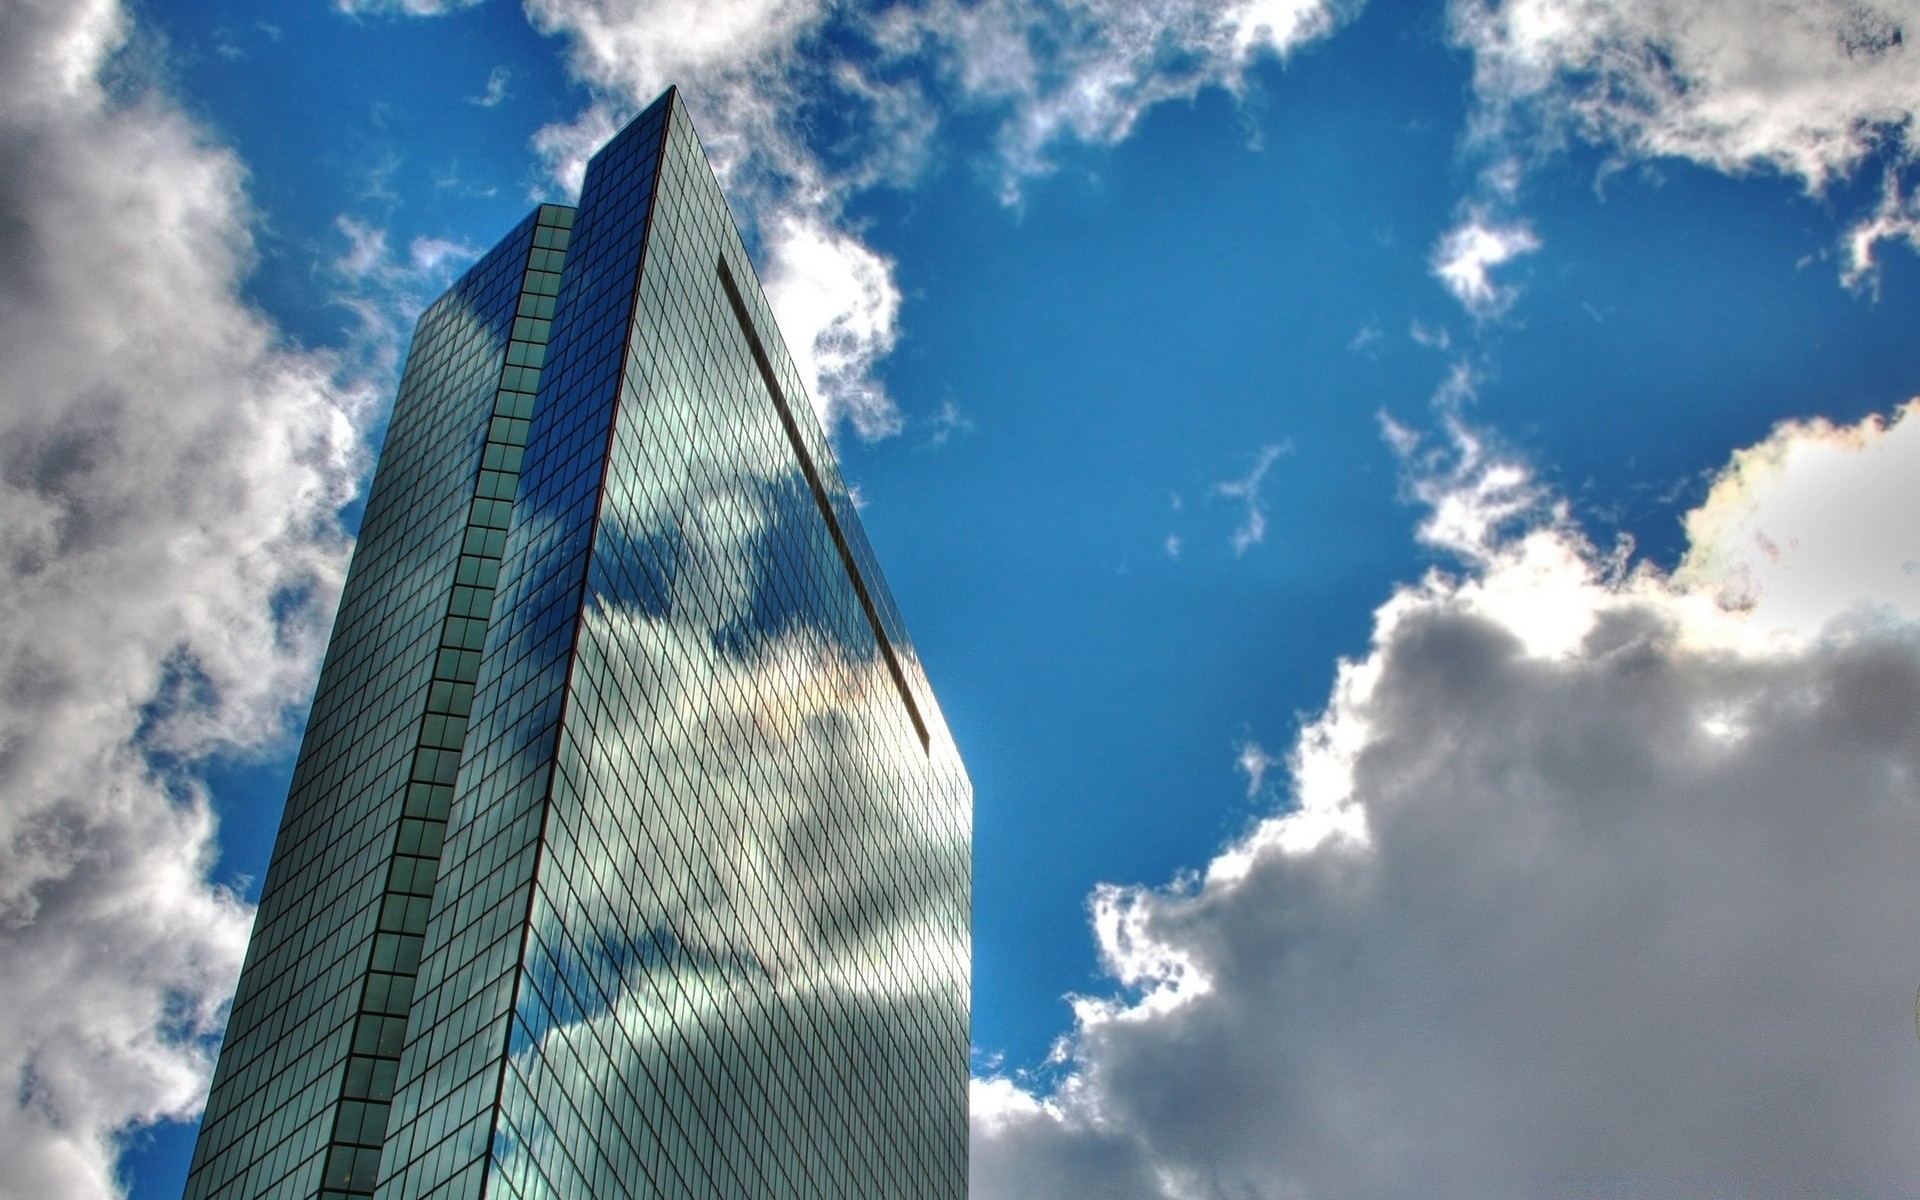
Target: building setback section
point(627, 854)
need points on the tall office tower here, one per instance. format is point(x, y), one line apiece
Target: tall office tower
point(627, 853)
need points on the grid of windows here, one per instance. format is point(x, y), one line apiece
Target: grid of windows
point(746, 963)
point(443, 1120)
point(360, 1126)
point(668, 891)
point(307, 999)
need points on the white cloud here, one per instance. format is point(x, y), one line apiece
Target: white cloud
point(1432, 337)
point(387, 293)
point(839, 308)
point(1473, 495)
point(169, 555)
point(1253, 522)
point(402, 8)
point(1896, 218)
point(1254, 762)
point(1088, 69)
point(1807, 88)
point(1815, 521)
point(1467, 255)
point(496, 89)
point(751, 69)
point(1628, 909)
point(640, 47)
point(737, 64)
point(946, 423)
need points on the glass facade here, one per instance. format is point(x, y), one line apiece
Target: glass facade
point(628, 854)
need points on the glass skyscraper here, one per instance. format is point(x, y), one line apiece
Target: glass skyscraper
point(627, 853)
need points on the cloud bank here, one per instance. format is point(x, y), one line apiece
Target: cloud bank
point(169, 478)
point(1596, 881)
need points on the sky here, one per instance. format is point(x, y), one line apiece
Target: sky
point(1412, 512)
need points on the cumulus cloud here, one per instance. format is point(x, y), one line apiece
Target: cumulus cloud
point(1807, 88)
point(169, 554)
point(643, 47)
point(1465, 259)
point(839, 305)
point(1810, 523)
point(1621, 903)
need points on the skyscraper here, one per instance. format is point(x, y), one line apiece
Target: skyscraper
point(627, 853)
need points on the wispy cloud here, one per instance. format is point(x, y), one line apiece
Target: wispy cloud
point(1896, 219)
point(1810, 90)
point(387, 292)
point(1053, 72)
point(944, 425)
point(1252, 760)
point(1252, 529)
point(1467, 255)
point(1474, 495)
point(1085, 70)
point(1433, 337)
point(496, 89)
point(402, 8)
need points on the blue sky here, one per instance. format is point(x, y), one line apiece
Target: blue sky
point(1405, 507)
